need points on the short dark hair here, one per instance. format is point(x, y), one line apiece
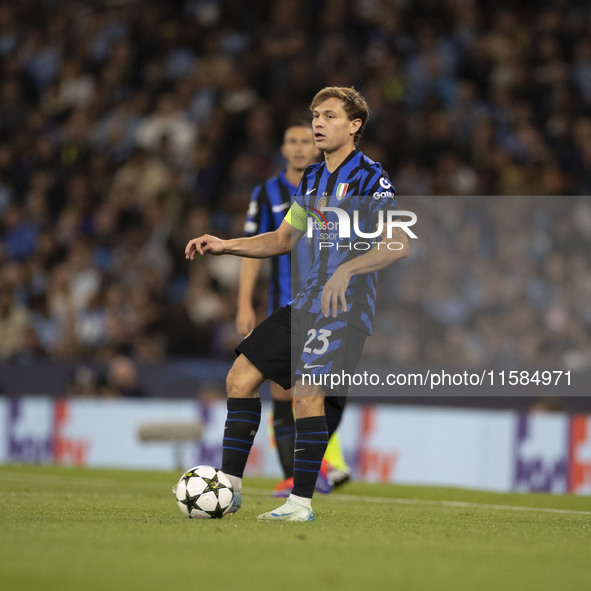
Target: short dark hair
point(354, 104)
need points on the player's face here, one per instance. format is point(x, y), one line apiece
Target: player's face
point(332, 128)
point(298, 147)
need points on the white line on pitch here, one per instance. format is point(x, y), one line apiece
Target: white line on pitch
point(460, 504)
point(91, 481)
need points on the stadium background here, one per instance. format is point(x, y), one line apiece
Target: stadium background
point(127, 128)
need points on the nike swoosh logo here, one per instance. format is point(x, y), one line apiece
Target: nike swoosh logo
point(281, 207)
point(308, 366)
point(282, 514)
point(300, 449)
point(311, 191)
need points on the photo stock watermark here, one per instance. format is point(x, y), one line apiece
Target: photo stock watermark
point(444, 381)
point(337, 233)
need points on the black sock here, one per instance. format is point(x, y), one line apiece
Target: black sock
point(244, 418)
point(284, 427)
point(310, 444)
point(333, 410)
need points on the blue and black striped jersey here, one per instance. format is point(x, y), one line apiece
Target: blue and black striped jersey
point(268, 204)
point(358, 185)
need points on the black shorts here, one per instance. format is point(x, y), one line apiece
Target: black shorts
point(290, 344)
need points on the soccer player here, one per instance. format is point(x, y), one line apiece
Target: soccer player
point(268, 206)
point(323, 330)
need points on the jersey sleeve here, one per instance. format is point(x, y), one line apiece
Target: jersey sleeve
point(257, 216)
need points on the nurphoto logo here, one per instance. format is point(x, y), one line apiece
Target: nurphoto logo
point(332, 230)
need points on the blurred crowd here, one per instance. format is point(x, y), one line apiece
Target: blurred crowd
point(499, 281)
point(128, 127)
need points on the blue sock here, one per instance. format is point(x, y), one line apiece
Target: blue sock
point(310, 445)
point(242, 424)
point(284, 427)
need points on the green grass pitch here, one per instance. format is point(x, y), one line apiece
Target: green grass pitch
point(80, 529)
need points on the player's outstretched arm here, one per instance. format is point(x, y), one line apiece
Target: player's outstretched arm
point(270, 244)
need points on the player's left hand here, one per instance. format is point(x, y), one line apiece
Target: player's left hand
point(204, 245)
point(334, 292)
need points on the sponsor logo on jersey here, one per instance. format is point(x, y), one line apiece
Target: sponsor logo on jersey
point(388, 189)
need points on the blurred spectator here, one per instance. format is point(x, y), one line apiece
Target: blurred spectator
point(121, 379)
point(140, 180)
point(14, 323)
point(167, 126)
point(547, 404)
point(84, 382)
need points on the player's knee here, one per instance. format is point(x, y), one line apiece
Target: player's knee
point(233, 383)
point(308, 406)
point(240, 385)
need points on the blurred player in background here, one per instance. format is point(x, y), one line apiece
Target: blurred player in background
point(268, 206)
point(322, 331)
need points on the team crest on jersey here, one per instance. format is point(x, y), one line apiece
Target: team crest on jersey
point(321, 202)
point(342, 190)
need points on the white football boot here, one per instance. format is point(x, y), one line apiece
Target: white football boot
point(290, 511)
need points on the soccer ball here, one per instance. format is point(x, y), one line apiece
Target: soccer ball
point(203, 492)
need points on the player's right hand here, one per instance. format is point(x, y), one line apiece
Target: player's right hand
point(245, 320)
point(205, 244)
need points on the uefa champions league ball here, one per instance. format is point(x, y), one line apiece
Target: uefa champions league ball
point(203, 492)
